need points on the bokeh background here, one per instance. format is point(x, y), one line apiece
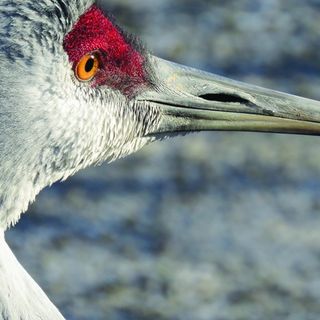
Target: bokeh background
point(213, 226)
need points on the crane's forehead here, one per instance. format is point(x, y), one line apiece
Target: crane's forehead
point(121, 58)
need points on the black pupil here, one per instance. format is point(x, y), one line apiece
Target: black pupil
point(89, 65)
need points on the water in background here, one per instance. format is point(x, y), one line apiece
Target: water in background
point(211, 226)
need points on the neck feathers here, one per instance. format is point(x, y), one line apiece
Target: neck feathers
point(20, 296)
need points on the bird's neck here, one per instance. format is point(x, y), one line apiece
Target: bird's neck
point(15, 197)
point(20, 296)
point(19, 185)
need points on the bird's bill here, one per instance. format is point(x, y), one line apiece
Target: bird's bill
point(192, 100)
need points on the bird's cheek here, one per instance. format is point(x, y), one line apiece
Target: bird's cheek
point(115, 77)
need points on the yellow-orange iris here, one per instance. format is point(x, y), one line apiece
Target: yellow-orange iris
point(87, 67)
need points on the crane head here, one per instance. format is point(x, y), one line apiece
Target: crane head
point(76, 90)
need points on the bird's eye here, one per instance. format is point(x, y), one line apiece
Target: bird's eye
point(87, 67)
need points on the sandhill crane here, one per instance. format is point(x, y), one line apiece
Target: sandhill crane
point(76, 91)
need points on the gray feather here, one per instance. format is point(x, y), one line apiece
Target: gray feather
point(51, 126)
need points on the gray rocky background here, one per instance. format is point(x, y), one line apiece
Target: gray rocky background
point(213, 226)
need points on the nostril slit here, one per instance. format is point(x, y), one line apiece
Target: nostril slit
point(222, 97)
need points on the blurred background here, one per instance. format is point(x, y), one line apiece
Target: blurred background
point(222, 226)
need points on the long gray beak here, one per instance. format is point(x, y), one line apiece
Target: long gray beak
point(192, 100)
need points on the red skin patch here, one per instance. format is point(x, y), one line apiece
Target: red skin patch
point(122, 67)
